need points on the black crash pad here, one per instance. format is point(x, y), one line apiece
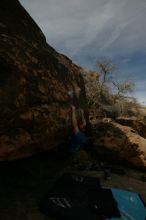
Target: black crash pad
point(76, 197)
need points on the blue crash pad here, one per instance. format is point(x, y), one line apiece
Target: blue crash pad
point(130, 205)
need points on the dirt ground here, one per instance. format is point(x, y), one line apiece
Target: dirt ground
point(24, 183)
point(131, 181)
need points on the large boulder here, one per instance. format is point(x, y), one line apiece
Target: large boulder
point(120, 143)
point(137, 124)
point(37, 86)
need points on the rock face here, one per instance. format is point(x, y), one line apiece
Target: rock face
point(37, 86)
point(138, 125)
point(119, 142)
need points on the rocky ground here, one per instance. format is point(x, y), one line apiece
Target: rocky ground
point(24, 183)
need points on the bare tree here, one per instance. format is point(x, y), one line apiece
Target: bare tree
point(107, 95)
point(106, 69)
point(117, 92)
point(124, 87)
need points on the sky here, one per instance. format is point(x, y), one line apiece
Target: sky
point(87, 30)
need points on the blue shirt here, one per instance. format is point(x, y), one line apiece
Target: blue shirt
point(76, 141)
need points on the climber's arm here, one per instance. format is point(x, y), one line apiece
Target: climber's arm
point(83, 117)
point(74, 120)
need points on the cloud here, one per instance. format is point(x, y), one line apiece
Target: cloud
point(85, 30)
point(72, 26)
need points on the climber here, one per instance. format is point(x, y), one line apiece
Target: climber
point(79, 136)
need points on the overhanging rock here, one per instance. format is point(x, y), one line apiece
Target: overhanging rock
point(37, 86)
